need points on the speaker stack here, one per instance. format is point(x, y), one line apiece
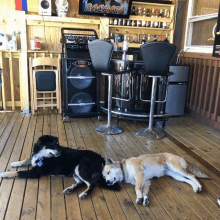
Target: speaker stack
point(79, 77)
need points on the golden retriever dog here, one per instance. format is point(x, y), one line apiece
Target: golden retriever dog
point(140, 170)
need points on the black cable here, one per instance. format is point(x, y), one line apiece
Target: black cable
point(45, 35)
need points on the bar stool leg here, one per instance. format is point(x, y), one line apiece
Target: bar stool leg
point(151, 133)
point(109, 129)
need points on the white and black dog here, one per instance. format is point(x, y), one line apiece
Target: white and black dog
point(49, 158)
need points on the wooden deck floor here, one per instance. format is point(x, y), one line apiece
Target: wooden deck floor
point(43, 198)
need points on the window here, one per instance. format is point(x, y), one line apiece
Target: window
point(201, 21)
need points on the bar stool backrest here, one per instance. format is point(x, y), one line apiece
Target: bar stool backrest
point(101, 53)
point(157, 57)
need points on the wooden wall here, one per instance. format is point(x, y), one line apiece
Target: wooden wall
point(203, 95)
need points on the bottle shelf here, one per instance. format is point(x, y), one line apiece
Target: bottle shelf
point(130, 44)
point(134, 27)
point(152, 4)
point(136, 17)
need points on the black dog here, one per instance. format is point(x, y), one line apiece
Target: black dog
point(49, 158)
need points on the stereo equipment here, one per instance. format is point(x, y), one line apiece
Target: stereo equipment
point(45, 7)
point(79, 77)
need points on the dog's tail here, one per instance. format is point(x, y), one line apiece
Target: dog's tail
point(193, 169)
point(102, 183)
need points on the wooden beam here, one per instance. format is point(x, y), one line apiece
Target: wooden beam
point(24, 83)
point(62, 19)
point(3, 82)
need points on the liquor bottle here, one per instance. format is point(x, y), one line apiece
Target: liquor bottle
point(144, 13)
point(160, 13)
point(112, 39)
point(143, 39)
point(133, 11)
point(139, 11)
point(143, 22)
point(152, 12)
point(148, 13)
point(160, 38)
point(155, 37)
point(152, 15)
point(148, 38)
point(156, 23)
point(160, 24)
point(165, 13)
point(167, 39)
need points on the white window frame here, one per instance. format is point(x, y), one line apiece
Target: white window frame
point(188, 31)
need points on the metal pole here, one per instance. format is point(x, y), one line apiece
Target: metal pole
point(152, 104)
point(110, 82)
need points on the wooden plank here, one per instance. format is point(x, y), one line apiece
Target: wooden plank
point(72, 201)
point(7, 131)
point(201, 131)
point(16, 196)
point(86, 205)
point(210, 154)
point(5, 156)
point(189, 83)
point(194, 79)
point(202, 93)
point(62, 19)
point(31, 192)
point(5, 121)
point(57, 196)
point(213, 88)
point(12, 82)
point(24, 83)
point(207, 88)
point(43, 203)
point(198, 84)
point(217, 100)
point(3, 82)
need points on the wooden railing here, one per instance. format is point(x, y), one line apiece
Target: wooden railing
point(203, 95)
point(11, 98)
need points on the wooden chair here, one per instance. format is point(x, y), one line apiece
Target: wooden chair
point(43, 70)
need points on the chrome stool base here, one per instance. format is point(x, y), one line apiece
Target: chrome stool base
point(151, 134)
point(109, 129)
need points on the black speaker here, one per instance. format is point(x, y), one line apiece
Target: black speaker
point(79, 88)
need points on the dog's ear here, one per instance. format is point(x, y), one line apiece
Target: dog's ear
point(56, 140)
point(109, 160)
point(37, 147)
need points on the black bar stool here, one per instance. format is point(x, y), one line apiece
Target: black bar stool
point(157, 57)
point(101, 53)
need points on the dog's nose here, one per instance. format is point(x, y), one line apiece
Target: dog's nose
point(108, 182)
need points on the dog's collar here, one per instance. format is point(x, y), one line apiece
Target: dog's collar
point(39, 162)
point(123, 177)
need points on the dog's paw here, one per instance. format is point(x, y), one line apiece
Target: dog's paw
point(146, 201)
point(197, 189)
point(139, 200)
point(2, 175)
point(82, 195)
point(16, 164)
point(68, 190)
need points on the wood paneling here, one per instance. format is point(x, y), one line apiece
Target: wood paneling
point(11, 80)
point(204, 84)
